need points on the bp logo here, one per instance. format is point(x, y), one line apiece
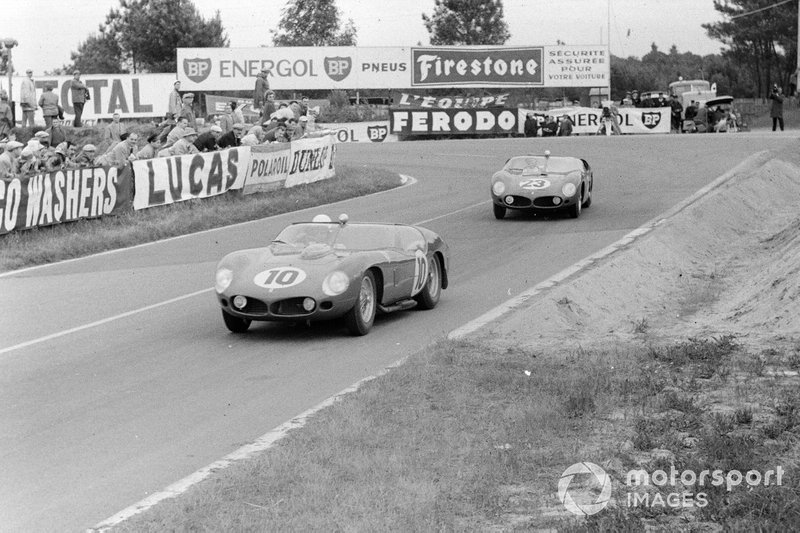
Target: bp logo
point(651, 120)
point(338, 68)
point(197, 69)
point(377, 133)
point(578, 495)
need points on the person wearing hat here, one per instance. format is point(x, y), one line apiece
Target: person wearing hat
point(187, 110)
point(184, 145)
point(120, 153)
point(151, 149)
point(49, 104)
point(86, 156)
point(27, 162)
point(78, 93)
point(232, 138)
point(776, 107)
point(260, 92)
point(56, 132)
point(8, 159)
point(207, 141)
point(27, 99)
point(565, 126)
point(175, 101)
point(58, 160)
point(115, 130)
point(6, 118)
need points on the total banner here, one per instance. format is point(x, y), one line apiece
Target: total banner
point(360, 132)
point(63, 196)
point(410, 122)
point(132, 95)
point(167, 180)
point(349, 67)
point(586, 120)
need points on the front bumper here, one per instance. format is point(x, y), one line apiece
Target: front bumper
point(288, 309)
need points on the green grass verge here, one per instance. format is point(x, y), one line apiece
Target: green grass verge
point(76, 239)
point(467, 436)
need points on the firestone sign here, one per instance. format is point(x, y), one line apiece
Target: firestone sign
point(343, 67)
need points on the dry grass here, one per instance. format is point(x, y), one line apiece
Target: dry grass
point(54, 243)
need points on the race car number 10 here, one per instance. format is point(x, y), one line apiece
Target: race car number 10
point(279, 278)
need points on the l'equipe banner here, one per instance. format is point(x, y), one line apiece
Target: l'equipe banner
point(166, 180)
point(401, 99)
point(409, 122)
point(63, 196)
point(133, 95)
point(586, 120)
point(350, 67)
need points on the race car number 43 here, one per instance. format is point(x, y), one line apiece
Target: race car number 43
point(279, 278)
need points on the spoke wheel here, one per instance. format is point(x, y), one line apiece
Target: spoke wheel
point(430, 294)
point(360, 318)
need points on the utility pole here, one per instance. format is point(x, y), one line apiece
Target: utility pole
point(608, 38)
point(10, 43)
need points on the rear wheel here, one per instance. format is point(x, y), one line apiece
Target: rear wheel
point(429, 296)
point(499, 211)
point(360, 318)
point(234, 323)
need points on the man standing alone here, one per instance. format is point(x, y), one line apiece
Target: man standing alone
point(77, 93)
point(776, 109)
point(28, 100)
point(260, 92)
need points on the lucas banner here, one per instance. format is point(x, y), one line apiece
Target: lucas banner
point(348, 67)
point(408, 122)
point(586, 120)
point(168, 180)
point(63, 196)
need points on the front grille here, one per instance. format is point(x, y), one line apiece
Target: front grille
point(289, 307)
point(519, 201)
point(254, 307)
point(545, 202)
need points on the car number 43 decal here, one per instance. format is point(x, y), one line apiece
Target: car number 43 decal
point(279, 278)
point(534, 183)
point(420, 272)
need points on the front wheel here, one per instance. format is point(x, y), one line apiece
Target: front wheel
point(430, 294)
point(359, 319)
point(499, 211)
point(575, 209)
point(234, 323)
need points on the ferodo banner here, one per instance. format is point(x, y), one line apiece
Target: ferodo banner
point(408, 122)
point(310, 160)
point(166, 180)
point(350, 67)
point(360, 132)
point(133, 95)
point(63, 196)
point(586, 120)
point(269, 167)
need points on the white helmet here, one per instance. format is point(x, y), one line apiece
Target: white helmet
point(321, 218)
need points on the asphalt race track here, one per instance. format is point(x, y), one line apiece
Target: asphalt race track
point(118, 377)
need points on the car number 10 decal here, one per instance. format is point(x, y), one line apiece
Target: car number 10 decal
point(535, 183)
point(420, 272)
point(279, 278)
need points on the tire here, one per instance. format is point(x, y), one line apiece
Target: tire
point(499, 211)
point(588, 201)
point(575, 209)
point(430, 294)
point(359, 319)
point(234, 323)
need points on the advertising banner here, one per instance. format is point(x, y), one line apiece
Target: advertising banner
point(133, 95)
point(401, 99)
point(360, 132)
point(349, 67)
point(166, 180)
point(63, 196)
point(215, 105)
point(311, 160)
point(409, 122)
point(586, 120)
point(269, 167)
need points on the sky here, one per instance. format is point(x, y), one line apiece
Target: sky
point(634, 24)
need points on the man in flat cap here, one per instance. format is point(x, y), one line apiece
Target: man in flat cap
point(233, 137)
point(28, 99)
point(8, 159)
point(77, 93)
point(207, 141)
point(260, 91)
point(85, 158)
point(187, 110)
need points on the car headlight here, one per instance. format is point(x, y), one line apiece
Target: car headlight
point(335, 283)
point(223, 280)
point(498, 188)
point(569, 190)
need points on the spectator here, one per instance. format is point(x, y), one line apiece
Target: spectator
point(184, 145)
point(260, 92)
point(120, 153)
point(303, 105)
point(164, 127)
point(627, 101)
point(151, 148)
point(27, 162)
point(550, 127)
point(175, 101)
point(188, 110)
point(226, 119)
point(276, 134)
point(531, 125)
point(701, 119)
point(237, 115)
point(8, 159)
point(302, 126)
point(232, 138)
point(637, 102)
point(115, 130)
point(6, 118)
point(49, 104)
point(565, 126)
point(691, 110)
point(256, 130)
point(677, 111)
point(294, 105)
point(207, 141)
point(56, 132)
point(284, 112)
point(269, 105)
point(58, 159)
point(78, 94)
point(254, 136)
point(293, 131)
point(177, 132)
point(776, 109)
point(85, 157)
point(28, 100)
